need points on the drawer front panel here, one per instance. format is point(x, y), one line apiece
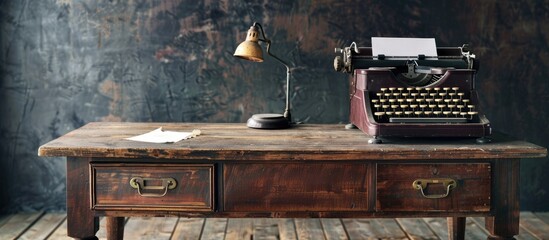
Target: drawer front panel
point(395, 190)
point(295, 187)
point(152, 187)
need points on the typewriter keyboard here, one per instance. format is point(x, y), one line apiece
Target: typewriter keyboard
point(422, 105)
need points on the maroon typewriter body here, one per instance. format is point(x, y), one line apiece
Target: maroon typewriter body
point(365, 82)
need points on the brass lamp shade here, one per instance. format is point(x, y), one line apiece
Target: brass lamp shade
point(250, 49)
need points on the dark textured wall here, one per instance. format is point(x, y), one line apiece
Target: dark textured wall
point(64, 63)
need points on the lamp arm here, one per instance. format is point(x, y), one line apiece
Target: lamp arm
point(287, 113)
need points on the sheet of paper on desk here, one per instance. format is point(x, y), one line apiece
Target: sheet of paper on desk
point(411, 47)
point(160, 136)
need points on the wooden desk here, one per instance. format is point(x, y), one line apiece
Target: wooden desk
point(309, 171)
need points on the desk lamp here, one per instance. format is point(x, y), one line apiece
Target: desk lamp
point(250, 50)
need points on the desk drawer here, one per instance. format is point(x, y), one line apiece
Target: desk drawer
point(173, 187)
point(471, 192)
point(296, 187)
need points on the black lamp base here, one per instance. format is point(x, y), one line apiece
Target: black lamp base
point(268, 121)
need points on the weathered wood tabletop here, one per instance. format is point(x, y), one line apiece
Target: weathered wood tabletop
point(301, 142)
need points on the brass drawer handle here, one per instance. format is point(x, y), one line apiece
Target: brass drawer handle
point(421, 184)
point(139, 183)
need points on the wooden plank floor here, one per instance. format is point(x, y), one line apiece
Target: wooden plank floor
point(42, 225)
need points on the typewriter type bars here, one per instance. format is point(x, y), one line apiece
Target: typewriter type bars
point(414, 96)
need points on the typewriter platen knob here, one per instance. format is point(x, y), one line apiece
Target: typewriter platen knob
point(338, 63)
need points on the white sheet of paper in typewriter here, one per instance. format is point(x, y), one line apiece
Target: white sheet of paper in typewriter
point(404, 47)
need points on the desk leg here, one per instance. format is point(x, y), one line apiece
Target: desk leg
point(115, 228)
point(456, 228)
point(505, 223)
point(81, 223)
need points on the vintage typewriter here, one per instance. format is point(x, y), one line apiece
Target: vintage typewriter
point(414, 96)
